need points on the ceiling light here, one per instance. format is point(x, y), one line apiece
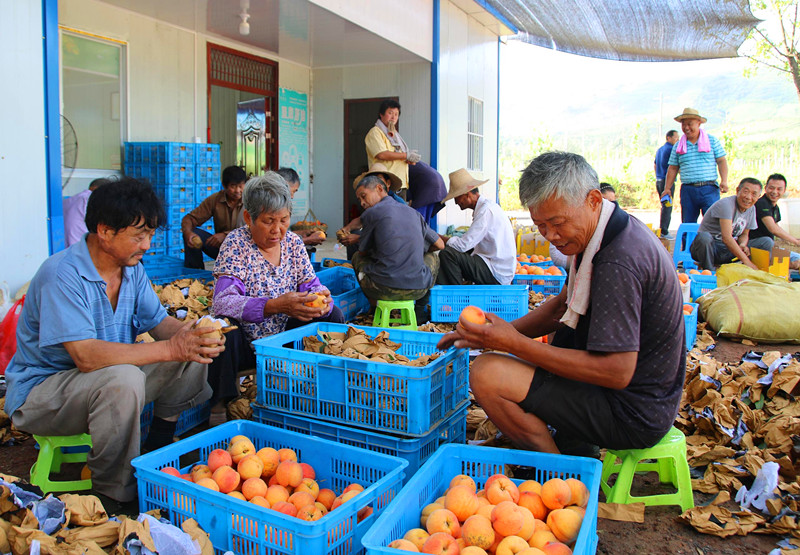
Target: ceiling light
point(244, 25)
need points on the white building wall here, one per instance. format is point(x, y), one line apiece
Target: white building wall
point(468, 67)
point(408, 23)
point(409, 82)
point(23, 211)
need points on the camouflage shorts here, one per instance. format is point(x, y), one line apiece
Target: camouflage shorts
point(376, 291)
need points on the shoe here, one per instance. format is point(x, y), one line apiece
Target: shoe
point(576, 447)
point(667, 236)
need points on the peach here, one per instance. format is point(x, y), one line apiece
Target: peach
point(478, 531)
point(473, 315)
point(289, 473)
point(482, 501)
point(531, 551)
point(254, 487)
point(440, 543)
point(353, 487)
point(187, 477)
point(580, 510)
point(472, 550)
point(417, 536)
point(171, 471)
point(439, 500)
point(285, 508)
point(271, 459)
point(533, 502)
point(540, 538)
point(564, 524)
point(528, 524)
point(260, 501)
point(273, 480)
point(309, 513)
point(461, 544)
point(364, 513)
point(301, 499)
point(322, 508)
point(326, 497)
point(200, 471)
point(530, 485)
point(579, 492)
point(464, 480)
point(462, 501)
point(511, 545)
point(310, 486)
point(403, 545)
point(250, 466)
point(237, 495)
point(240, 449)
point(287, 454)
point(276, 493)
point(502, 489)
point(344, 498)
point(507, 519)
point(442, 520)
point(426, 511)
point(226, 478)
point(556, 494)
point(485, 510)
point(541, 525)
point(481, 493)
point(217, 458)
point(497, 539)
point(207, 483)
point(308, 471)
point(556, 548)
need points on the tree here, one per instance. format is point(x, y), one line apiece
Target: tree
point(775, 43)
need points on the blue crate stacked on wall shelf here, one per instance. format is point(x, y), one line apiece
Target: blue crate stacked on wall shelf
point(179, 172)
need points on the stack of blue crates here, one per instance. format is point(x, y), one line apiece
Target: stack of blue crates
point(182, 174)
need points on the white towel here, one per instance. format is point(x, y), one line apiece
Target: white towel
point(579, 287)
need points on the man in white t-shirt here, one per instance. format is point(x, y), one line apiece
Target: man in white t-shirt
point(724, 233)
point(486, 253)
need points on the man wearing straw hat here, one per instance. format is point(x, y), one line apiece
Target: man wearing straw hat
point(485, 254)
point(698, 156)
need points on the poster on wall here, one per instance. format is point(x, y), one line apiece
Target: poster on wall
point(293, 141)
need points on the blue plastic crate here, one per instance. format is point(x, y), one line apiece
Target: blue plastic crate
point(333, 262)
point(545, 264)
point(176, 213)
point(244, 527)
point(206, 153)
point(174, 237)
point(385, 397)
point(345, 290)
point(206, 173)
point(138, 153)
point(162, 262)
point(175, 194)
point(545, 284)
point(188, 419)
point(175, 251)
point(163, 276)
point(159, 240)
point(204, 190)
point(153, 254)
point(415, 450)
point(172, 153)
point(507, 301)
point(173, 174)
point(701, 284)
point(479, 463)
point(690, 325)
point(140, 171)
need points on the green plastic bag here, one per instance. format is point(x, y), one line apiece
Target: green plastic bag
point(751, 304)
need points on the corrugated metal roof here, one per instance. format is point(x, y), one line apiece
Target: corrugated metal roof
point(632, 30)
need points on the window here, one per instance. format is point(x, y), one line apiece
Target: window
point(92, 99)
point(475, 135)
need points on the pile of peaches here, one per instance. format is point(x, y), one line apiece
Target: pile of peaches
point(270, 478)
point(502, 518)
point(532, 258)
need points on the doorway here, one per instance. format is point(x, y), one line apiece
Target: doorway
point(359, 117)
point(239, 85)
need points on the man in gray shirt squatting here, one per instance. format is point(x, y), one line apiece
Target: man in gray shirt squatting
point(613, 374)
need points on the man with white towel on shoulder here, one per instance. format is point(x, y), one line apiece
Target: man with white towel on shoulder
point(613, 373)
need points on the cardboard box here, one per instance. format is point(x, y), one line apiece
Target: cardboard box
point(775, 262)
point(532, 243)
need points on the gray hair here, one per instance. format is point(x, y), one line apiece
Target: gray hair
point(266, 193)
point(370, 182)
point(559, 175)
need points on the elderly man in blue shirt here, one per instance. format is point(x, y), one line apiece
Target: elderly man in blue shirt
point(698, 156)
point(77, 368)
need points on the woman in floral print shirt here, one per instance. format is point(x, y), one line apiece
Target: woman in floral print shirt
point(264, 279)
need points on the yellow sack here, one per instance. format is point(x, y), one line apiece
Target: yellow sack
point(751, 304)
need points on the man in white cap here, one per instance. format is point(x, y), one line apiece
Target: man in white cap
point(486, 253)
point(698, 156)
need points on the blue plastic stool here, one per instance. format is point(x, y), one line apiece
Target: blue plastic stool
point(683, 240)
point(54, 450)
point(407, 320)
point(671, 465)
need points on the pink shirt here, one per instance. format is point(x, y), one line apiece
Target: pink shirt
point(74, 215)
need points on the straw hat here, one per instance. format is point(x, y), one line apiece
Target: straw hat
point(461, 182)
point(690, 113)
point(379, 169)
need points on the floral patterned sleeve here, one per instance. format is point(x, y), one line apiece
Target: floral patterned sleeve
point(230, 293)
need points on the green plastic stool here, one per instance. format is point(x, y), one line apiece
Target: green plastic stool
point(50, 458)
point(671, 465)
point(383, 315)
